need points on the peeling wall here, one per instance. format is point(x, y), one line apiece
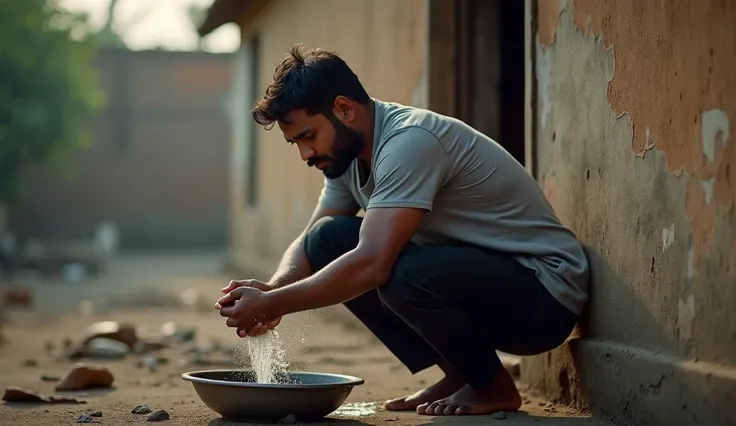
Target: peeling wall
point(634, 104)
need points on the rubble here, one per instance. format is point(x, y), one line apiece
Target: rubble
point(158, 416)
point(105, 348)
point(114, 330)
point(141, 409)
point(18, 295)
point(29, 363)
point(16, 394)
point(83, 376)
point(86, 419)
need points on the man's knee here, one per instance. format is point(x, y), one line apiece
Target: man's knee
point(330, 237)
point(406, 287)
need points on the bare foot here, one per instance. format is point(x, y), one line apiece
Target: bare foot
point(441, 389)
point(502, 395)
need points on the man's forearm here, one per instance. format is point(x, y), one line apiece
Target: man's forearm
point(294, 265)
point(347, 277)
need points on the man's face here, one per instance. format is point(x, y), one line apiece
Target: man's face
point(324, 142)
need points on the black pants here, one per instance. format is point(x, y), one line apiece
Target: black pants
point(453, 303)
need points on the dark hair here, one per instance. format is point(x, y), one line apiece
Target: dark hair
point(308, 80)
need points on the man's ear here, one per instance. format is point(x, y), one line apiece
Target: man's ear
point(343, 109)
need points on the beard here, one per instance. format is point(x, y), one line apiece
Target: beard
point(345, 149)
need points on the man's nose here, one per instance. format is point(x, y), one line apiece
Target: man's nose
point(305, 152)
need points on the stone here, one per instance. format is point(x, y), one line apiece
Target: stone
point(141, 409)
point(18, 296)
point(49, 378)
point(85, 376)
point(85, 419)
point(106, 348)
point(96, 414)
point(120, 331)
point(29, 363)
point(158, 415)
point(499, 415)
point(175, 333)
point(16, 394)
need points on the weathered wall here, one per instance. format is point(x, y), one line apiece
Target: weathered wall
point(634, 104)
point(157, 166)
point(384, 42)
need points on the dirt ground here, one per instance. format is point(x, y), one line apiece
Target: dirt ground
point(154, 289)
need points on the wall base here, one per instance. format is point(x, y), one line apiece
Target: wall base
point(633, 386)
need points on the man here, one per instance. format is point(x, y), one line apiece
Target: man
point(458, 255)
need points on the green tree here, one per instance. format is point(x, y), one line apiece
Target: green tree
point(48, 87)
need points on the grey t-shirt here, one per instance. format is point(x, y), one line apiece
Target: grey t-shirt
point(475, 192)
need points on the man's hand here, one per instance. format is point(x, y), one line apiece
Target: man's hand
point(248, 311)
point(231, 297)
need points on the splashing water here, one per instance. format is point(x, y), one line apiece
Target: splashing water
point(266, 356)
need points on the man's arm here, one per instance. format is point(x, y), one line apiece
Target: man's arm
point(294, 265)
point(383, 234)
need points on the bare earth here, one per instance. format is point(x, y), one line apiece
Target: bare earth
point(145, 290)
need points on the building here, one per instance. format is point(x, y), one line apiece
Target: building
point(157, 163)
point(621, 109)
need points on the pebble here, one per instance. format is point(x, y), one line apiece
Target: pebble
point(96, 414)
point(29, 363)
point(158, 415)
point(499, 415)
point(141, 409)
point(85, 419)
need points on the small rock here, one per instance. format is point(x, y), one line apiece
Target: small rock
point(84, 376)
point(141, 409)
point(96, 414)
point(181, 335)
point(16, 394)
point(29, 363)
point(105, 348)
point(158, 415)
point(48, 378)
point(85, 419)
point(122, 332)
point(18, 296)
point(547, 409)
point(499, 415)
point(151, 362)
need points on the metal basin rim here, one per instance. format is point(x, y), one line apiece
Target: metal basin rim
point(350, 381)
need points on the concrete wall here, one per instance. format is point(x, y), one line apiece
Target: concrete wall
point(157, 166)
point(634, 104)
point(382, 40)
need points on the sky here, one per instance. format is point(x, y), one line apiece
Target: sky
point(148, 24)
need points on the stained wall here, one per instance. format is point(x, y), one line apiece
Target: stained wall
point(634, 102)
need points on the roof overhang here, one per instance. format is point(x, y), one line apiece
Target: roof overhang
point(241, 12)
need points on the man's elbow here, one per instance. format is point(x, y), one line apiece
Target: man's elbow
point(375, 271)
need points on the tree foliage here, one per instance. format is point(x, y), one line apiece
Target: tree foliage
point(48, 87)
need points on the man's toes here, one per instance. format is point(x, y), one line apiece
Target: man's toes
point(450, 409)
point(439, 409)
point(463, 409)
point(395, 404)
point(422, 408)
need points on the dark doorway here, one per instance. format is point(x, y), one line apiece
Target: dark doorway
point(489, 72)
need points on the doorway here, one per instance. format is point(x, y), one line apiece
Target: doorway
point(490, 63)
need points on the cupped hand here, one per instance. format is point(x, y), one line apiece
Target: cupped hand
point(231, 297)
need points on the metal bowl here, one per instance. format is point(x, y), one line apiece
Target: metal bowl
point(298, 396)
